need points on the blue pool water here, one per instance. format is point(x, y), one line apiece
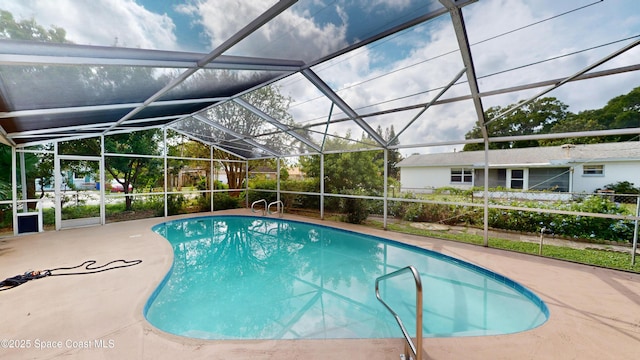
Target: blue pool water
point(244, 277)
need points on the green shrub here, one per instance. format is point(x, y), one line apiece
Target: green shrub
point(204, 202)
point(439, 212)
point(623, 187)
point(224, 201)
point(262, 184)
point(414, 212)
point(202, 183)
point(575, 226)
point(80, 211)
point(219, 185)
point(355, 210)
point(175, 204)
point(449, 190)
point(221, 201)
point(399, 208)
point(48, 216)
point(333, 204)
point(155, 203)
point(301, 201)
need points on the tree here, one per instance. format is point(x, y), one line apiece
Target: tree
point(5, 181)
point(242, 121)
point(29, 84)
point(30, 166)
point(44, 169)
point(586, 120)
point(41, 168)
point(621, 112)
point(350, 172)
point(548, 115)
point(537, 117)
point(5, 176)
point(394, 156)
point(347, 171)
point(130, 172)
point(28, 30)
point(134, 171)
point(180, 145)
point(89, 85)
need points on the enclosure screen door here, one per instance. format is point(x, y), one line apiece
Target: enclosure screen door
point(78, 195)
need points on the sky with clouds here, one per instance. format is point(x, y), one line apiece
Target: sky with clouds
point(508, 36)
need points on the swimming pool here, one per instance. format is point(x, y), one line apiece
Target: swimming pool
point(245, 277)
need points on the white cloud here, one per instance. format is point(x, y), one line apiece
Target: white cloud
point(576, 31)
point(486, 19)
point(289, 35)
point(100, 22)
point(295, 34)
point(222, 19)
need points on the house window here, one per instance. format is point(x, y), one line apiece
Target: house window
point(517, 179)
point(553, 179)
point(592, 170)
point(461, 176)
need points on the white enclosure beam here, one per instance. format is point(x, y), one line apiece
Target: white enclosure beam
point(15, 52)
point(254, 25)
point(447, 87)
point(226, 130)
point(276, 123)
point(340, 103)
point(465, 51)
point(566, 80)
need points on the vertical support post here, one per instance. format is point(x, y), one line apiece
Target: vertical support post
point(14, 189)
point(103, 219)
point(486, 193)
point(278, 182)
point(165, 153)
point(246, 183)
point(635, 233)
point(571, 170)
point(541, 239)
point(23, 183)
point(386, 187)
point(57, 176)
point(212, 179)
point(322, 186)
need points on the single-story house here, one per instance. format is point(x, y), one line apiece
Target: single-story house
point(566, 168)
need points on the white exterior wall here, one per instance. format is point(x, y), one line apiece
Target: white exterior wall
point(613, 173)
point(424, 179)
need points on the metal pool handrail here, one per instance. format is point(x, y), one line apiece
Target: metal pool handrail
point(257, 202)
point(280, 209)
point(416, 349)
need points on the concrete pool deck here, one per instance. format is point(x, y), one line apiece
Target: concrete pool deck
point(594, 312)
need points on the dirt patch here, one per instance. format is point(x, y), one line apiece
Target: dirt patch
point(430, 226)
point(131, 215)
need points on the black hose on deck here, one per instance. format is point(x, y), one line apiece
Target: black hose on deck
point(89, 266)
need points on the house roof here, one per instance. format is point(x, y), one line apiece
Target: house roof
point(530, 157)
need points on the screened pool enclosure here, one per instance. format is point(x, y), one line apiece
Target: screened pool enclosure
point(165, 107)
